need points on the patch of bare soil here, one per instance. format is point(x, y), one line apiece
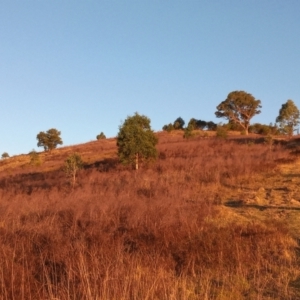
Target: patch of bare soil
point(274, 196)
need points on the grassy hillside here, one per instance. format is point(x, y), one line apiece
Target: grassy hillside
point(210, 219)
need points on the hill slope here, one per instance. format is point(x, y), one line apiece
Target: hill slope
point(210, 219)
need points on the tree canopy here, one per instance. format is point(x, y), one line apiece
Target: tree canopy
point(168, 127)
point(49, 139)
point(5, 155)
point(178, 123)
point(136, 141)
point(239, 107)
point(200, 124)
point(101, 136)
point(264, 129)
point(288, 117)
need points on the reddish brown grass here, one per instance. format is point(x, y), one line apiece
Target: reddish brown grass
point(152, 234)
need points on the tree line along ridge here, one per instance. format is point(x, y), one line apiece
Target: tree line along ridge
point(136, 140)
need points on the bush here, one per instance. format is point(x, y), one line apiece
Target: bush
point(168, 127)
point(72, 165)
point(101, 136)
point(5, 155)
point(34, 158)
point(178, 124)
point(221, 132)
point(188, 132)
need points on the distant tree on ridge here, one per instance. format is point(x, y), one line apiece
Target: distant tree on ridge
point(49, 139)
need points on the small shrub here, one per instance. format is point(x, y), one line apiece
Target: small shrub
point(34, 158)
point(72, 165)
point(101, 136)
point(188, 132)
point(221, 132)
point(168, 127)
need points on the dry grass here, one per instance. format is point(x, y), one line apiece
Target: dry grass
point(159, 233)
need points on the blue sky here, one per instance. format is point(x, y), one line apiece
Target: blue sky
point(84, 66)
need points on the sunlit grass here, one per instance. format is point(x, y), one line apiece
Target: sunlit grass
point(160, 233)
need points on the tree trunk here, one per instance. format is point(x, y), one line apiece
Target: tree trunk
point(74, 179)
point(246, 127)
point(136, 161)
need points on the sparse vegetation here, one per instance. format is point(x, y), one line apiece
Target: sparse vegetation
point(34, 158)
point(213, 217)
point(163, 235)
point(269, 140)
point(72, 165)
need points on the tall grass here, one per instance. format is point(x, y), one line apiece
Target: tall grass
point(153, 234)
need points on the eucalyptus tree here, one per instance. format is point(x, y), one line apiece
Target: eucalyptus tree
point(239, 107)
point(49, 139)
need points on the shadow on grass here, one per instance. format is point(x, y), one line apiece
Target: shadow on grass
point(240, 203)
point(104, 165)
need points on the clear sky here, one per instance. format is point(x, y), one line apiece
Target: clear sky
point(83, 66)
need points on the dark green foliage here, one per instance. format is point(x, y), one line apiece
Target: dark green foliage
point(232, 126)
point(5, 155)
point(197, 124)
point(188, 132)
point(168, 127)
point(288, 117)
point(178, 124)
point(239, 107)
point(49, 140)
point(263, 129)
point(211, 126)
point(192, 124)
point(136, 141)
point(200, 124)
point(101, 136)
